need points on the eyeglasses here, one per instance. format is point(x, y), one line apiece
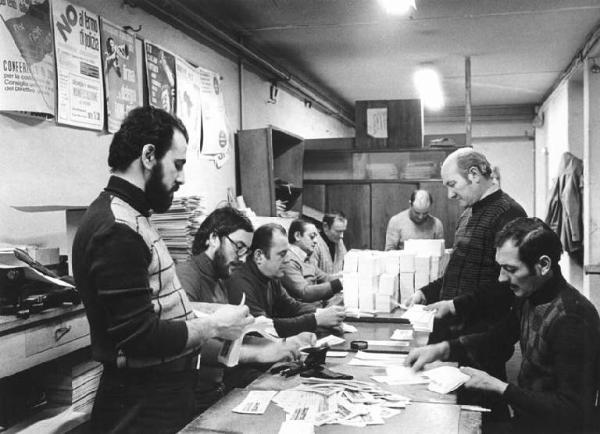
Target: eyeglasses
point(240, 248)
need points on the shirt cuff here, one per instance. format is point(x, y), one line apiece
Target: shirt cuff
point(336, 286)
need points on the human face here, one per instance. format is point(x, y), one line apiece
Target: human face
point(272, 266)
point(418, 214)
point(465, 190)
point(336, 232)
point(232, 251)
point(167, 175)
point(308, 240)
point(523, 281)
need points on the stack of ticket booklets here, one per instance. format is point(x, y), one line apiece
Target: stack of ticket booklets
point(179, 224)
point(421, 320)
point(348, 402)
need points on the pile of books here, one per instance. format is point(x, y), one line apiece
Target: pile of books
point(179, 224)
point(73, 383)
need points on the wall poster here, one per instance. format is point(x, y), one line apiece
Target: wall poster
point(189, 108)
point(121, 74)
point(78, 66)
point(160, 70)
point(215, 136)
point(27, 76)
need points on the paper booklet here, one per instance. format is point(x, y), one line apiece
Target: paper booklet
point(230, 351)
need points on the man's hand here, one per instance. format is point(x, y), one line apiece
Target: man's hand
point(419, 357)
point(442, 308)
point(483, 381)
point(230, 321)
point(304, 339)
point(278, 352)
point(330, 316)
point(417, 298)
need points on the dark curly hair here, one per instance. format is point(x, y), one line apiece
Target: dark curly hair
point(222, 221)
point(142, 126)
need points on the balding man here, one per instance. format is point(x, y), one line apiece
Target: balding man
point(414, 223)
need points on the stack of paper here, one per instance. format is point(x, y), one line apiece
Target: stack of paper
point(421, 320)
point(256, 402)
point(179, 224)
point(401, 375)
point(422, 270)
point(425, 247)
point(74, 385)
point(445, 379)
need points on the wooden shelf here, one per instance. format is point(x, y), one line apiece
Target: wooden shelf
point(369, 181)
point(592, 269)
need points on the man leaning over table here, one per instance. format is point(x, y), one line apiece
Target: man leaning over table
point(557, 328)
point(142, 324)
point(259, 278)
point(220, 246)
point(302, 278)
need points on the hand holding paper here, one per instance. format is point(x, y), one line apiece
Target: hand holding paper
point(483, 381)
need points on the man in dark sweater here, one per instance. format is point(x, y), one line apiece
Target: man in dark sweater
point(468, 297)
point(221, 245)
point(558, 330)
point(265, 296)
point(143, 328)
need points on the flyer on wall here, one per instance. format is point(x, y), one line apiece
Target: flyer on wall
point(78, 66)
point(27, 76)
point(121, 74)
point(215, 137)
point(160, 70)
point(189, 108)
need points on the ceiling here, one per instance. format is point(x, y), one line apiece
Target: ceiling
point(352, 50)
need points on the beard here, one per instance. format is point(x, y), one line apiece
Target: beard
point(159, 197)
point(224, 268)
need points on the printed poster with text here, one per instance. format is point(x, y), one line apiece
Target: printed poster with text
point(189, 109)
point(160, 70)
point(215, 139)
point(121, 73)
point(78, 66)
point(27, 77)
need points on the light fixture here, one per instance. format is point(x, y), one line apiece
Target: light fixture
point(273, 93)
point(397, 7)
point(595, 69)
point(428, 84)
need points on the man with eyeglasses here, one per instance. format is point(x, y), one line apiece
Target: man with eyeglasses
point(414, 223)
point(219, 247)
point(302, 278)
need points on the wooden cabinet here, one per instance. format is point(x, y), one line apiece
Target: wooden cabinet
point(372, 186)
point(266, 154)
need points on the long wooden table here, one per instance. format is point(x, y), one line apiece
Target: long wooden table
point(429, 412)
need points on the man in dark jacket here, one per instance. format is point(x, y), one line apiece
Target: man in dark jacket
point(558, 330)
point(265, 296)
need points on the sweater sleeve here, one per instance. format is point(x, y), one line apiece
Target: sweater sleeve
point(392, 236)
point(294, 282)
point(432, 290)
point(119, 260)
point(571, 342)
point(292, 316)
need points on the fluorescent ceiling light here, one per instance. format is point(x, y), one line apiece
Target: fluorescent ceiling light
point(397, 7)
point(428, 84)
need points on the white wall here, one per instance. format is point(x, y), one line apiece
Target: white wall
point(45, 164)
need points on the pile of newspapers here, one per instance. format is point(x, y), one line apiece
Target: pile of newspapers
point(353, 403)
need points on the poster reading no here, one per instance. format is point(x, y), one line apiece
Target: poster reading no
point(121, 73)
point(78, 66)
point(214, 120)
point(160, 70)
point(27, 76)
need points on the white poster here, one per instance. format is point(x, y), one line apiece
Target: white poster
point(377, 123)
point(189, 108)
point(27, 76)
point(215, 137)
point(78, 66)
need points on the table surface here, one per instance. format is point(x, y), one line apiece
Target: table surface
point(429, 412)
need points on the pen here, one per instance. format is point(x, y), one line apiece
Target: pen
point(475, 408)
point(243, 299)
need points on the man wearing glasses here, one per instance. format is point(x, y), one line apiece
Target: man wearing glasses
point(302, 278)
point(414, 223)
point(220, 246)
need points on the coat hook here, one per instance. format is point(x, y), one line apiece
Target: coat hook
point(126, 28)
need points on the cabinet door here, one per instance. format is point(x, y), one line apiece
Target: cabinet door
point(387, 201)
point(256, 170)
point(447, 210)
point(354, 200)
